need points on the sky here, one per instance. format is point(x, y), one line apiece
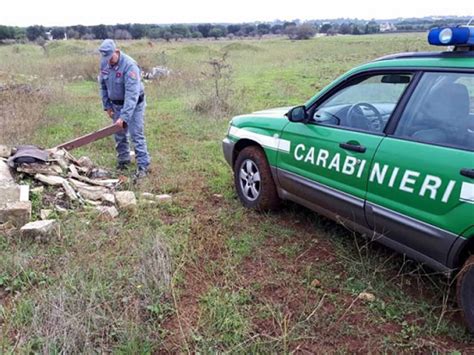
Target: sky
point(93, 12)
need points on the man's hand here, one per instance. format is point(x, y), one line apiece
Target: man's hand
point(110, 113)
point(121, 123)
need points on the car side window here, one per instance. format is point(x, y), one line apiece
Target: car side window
point(440, 111)
point(365, 104)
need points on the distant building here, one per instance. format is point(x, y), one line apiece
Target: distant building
point(49, 36)
point(387, 27)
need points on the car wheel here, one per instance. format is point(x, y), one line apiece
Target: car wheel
point(465, 292)
point(253, 180)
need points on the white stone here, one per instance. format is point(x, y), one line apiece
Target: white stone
point(126, 200)
point(44, 214)
point(41, 230)
point(24, 193)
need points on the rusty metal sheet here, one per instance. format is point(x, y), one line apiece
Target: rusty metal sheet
point(89, 138)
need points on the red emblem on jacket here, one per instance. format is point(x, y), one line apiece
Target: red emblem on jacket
point(118, 74)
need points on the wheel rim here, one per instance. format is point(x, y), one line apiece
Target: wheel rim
point(250, 180)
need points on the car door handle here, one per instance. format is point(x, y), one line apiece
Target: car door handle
point(467, 172)
point(353, 147)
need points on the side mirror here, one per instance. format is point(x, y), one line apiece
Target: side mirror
point(298, 114)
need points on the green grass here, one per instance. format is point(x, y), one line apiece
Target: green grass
point(203, 274)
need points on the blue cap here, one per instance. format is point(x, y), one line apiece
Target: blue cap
point(107, 48)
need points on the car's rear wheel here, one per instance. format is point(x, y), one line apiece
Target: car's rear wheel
point(465, 292)
point(253, 180)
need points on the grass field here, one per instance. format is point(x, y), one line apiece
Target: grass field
point(203, 274)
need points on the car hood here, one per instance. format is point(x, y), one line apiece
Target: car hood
point(273, 119)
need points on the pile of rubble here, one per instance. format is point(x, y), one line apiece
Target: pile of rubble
point(70, 184)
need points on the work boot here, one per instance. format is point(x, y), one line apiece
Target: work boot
point(140, 174)
point(123, 166)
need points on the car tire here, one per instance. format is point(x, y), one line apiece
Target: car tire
point(465, 292)
point(254, 181)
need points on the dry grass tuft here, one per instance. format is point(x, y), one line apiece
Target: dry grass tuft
point(22, 109)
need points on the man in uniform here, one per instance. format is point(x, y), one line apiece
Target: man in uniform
point(123, 99)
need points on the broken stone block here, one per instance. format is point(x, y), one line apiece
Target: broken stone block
point(18, 213)
point(5, 173)
point(50, 180)
point(69, 191)
point(126, 200)
point(107, 212)
point(37, 168)
point(9, 193)
point(45, 214)
point(41, 230)
point(5, 151)
point(110, 198)
point(89, 192)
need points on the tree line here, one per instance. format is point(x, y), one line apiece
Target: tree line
point(294, 30)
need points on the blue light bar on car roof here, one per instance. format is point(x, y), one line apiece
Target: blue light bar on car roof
point(452, 36)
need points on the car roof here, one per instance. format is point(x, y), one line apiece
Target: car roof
point(456, 59)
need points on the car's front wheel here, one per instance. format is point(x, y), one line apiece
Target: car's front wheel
point(253, 180)
point(465, 292)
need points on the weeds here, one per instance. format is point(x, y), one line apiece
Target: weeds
point(216, 95)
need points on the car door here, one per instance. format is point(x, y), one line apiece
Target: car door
point(330, 155)
point(421, 184)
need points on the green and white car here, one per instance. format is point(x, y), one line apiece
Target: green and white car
point(387, 148)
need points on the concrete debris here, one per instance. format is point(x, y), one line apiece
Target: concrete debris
point(126, 200)
point(109, 198)
point(50, 180)
point(5, 174)
point(87, 191)
point(36, 168)
point(9, 193)
point(107, 212)
point(41, 230)
point(63, 183)
point(5, 151)
point(45, 214)
point(69, 191)
point(18, 213)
